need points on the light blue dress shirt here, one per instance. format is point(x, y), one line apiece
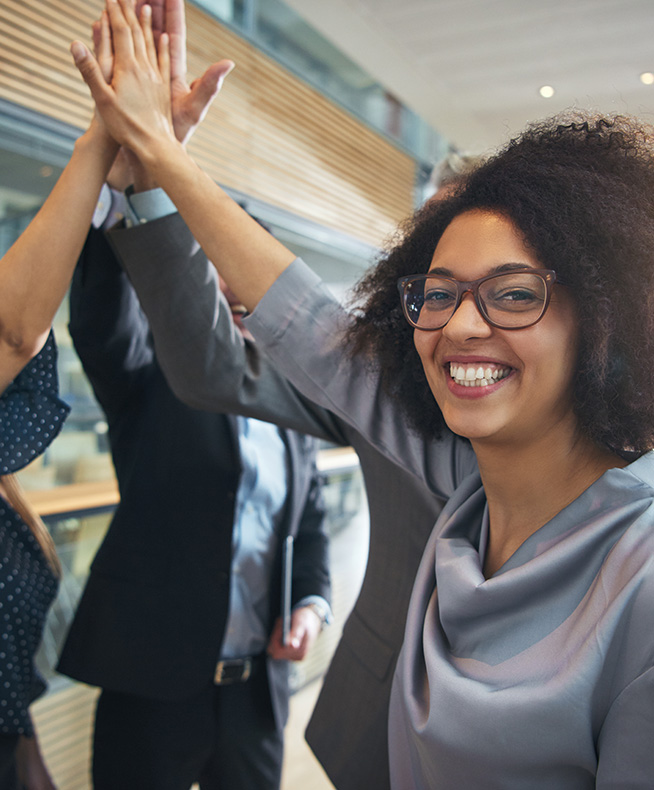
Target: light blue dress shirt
point(259, 506)
point(262, 489)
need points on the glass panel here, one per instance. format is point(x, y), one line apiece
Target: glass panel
point(279, 30)
point(24, 185)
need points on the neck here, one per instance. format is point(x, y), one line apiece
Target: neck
point(527, 486)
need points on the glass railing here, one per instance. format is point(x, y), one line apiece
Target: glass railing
point(280, 32)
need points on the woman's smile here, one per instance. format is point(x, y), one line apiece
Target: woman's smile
point(473, 375)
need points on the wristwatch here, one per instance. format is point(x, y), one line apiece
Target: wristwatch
point(321, 612)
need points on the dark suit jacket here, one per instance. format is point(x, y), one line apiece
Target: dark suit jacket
point(210, 366)
point(153, 613)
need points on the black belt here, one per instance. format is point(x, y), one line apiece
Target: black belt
point(236, 670)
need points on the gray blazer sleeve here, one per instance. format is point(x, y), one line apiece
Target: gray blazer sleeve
point(301, 326)
point(204, 357)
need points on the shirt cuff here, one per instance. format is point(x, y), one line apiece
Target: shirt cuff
point(324, 610)
point(142, 207)
point(110, 208)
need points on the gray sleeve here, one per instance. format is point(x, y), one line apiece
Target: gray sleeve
point(204, 357)
point(625, 745)
point(301, 326)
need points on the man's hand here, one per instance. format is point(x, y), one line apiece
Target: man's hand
point(189, 102)
point(121, 174)
point(305, 627)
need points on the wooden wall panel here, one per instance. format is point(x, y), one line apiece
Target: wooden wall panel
point(268, 135)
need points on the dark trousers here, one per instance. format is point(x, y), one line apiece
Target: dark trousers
point(225, 738)
point(8, 777)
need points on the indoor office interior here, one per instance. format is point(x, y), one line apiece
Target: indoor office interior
point(311, 143)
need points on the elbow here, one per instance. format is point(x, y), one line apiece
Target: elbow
point(21, 345)
point(189, 393)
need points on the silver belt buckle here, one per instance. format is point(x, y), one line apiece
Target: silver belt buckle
point(232, 671)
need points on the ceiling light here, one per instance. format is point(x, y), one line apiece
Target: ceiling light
point(546, 91)
point(647, 78)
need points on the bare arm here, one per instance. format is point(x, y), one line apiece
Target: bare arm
point(32, 771)
point(36, 270)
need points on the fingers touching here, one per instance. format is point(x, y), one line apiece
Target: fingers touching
point(138, 99)
point(102, 46)
point(133, 36)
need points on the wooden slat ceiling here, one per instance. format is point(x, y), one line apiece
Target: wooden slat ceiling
point(268, 135)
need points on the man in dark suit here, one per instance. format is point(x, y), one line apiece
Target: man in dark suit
point(179, 621)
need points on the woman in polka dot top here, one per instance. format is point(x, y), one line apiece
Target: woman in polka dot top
point(34, 276)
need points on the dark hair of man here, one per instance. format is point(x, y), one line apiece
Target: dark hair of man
point(580, 188)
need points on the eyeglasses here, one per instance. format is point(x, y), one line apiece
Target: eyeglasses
point(508, 300)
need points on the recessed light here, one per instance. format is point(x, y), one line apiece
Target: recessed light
point(546, 91)
point(647, 78)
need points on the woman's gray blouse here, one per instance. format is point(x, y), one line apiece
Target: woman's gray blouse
point(541, 676)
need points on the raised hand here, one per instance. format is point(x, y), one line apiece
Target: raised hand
point(136, 106)
point(189, 102)
point(125, 165)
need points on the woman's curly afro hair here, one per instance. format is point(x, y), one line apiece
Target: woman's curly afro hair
point(580, 188)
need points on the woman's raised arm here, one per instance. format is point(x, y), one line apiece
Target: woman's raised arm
point(36, 271)
point(136, 110)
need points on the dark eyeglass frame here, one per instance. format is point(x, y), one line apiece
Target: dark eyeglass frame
point(548, 276)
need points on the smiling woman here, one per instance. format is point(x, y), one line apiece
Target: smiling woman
point(577, 192)
point(528, 659)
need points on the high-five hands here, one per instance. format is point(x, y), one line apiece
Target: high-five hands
point(148, 96)
point(136, 105)
point(137, 109)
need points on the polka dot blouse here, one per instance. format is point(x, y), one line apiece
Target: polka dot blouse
point(31, 415)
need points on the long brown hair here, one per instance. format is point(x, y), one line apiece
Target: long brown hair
point(13, 492)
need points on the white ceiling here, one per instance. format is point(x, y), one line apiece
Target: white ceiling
point(473, 68)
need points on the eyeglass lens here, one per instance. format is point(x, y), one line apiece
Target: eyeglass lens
point(510, 300)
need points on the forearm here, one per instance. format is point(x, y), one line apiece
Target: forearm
point(36, 271)
point(244, 253)
point(137, 110)
point(205, 359)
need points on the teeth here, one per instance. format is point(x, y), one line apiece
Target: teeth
point(477, 376)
